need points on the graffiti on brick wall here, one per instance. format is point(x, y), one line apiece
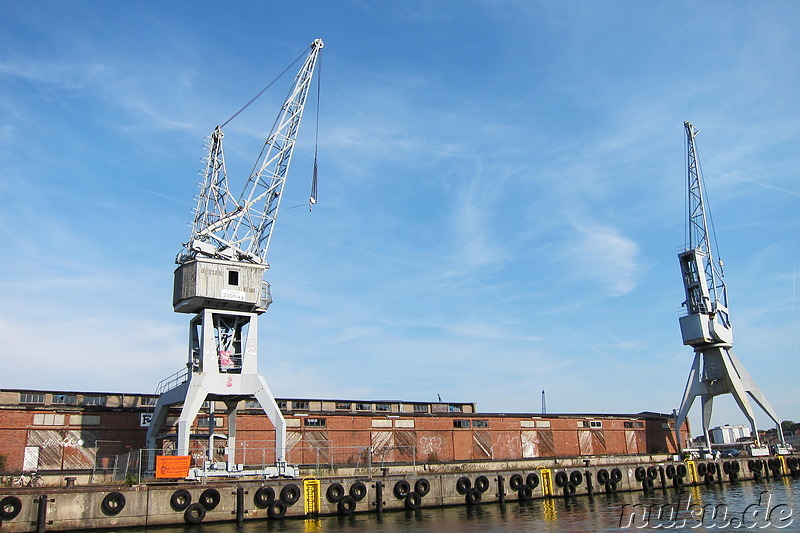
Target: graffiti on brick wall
point(70, 449)
point(529, 440)
point(506, 446)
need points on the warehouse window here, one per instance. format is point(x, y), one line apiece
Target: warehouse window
point(454, 408)
point(65, 399)
point(480, 423)
point(343, 406)
point(203, 422)
point(460, 423)
point(383, 407)
point(282, 405)
point(31, 397)
point(300, 406)
point(94, 400)
point(420, 407)
point(233, 277)
point(48, 419)
point(148, 401)
point(251, 404)
point(363, 407)
point(596, 424)
point(314, 422)
point(84, 420)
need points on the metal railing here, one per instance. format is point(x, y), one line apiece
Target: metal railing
point(253, 458)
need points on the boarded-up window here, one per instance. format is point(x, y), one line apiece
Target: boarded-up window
point(529, 444)
point(585, 443)
point(482, 444)
point(546, 444)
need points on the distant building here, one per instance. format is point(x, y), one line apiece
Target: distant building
point(729, 434)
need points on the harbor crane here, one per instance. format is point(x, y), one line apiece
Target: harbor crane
point(219, 280)
point(706, 324)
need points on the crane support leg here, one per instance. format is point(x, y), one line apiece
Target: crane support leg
point(195, 396)
point(717, 371)
point(231, 412)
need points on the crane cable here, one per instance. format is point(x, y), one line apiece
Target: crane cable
point(265, 89)
point(312, 199)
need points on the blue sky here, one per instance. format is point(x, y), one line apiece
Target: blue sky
point(501, 194)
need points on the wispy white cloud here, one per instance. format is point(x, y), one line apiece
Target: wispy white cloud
point(604, 256)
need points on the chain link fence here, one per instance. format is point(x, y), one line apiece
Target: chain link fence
point(253, 458)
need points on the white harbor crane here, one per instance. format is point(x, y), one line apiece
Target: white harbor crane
point(219, 279)
point(706, 326)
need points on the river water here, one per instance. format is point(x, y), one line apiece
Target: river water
point(749, 505)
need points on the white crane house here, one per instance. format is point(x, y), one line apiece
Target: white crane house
point(706, 325)
point(219, 280)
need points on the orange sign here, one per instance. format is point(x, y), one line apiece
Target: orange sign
point(172, 466)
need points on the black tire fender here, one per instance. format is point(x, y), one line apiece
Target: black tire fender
point(401, 489)
point(670, 471)
point(346, 505)
point(482, 483)
point(209, 499)
point(290, 494)
point(463, 485)
point(473, 496)
point(112, 504)
point(611, 486)
point(422, 486)
point(532, 480)
point(602, 476)
point(180, 500)
point(640, 473)
point(335, 492)
point(358, 490)
point(525, 493)
point(561, 479)
point(276, 509)
point(413, 500)
point(10, 506)
point(569, 489)
point(263, 497)
point(516, 482)
point(616, 475)
point(576, 478)
point(194, 513)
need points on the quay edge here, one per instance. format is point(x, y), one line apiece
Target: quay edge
point(51, 508)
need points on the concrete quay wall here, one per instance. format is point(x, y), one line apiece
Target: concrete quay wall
point(93, 507)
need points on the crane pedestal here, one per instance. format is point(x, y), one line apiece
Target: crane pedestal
point(222, 367)
point(716, 371)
